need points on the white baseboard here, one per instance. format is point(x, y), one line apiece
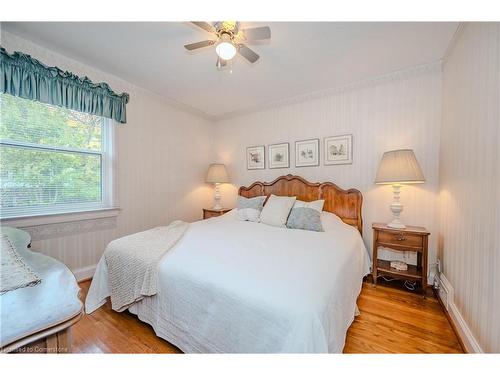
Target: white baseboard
point(446, 295)
point(84, 272)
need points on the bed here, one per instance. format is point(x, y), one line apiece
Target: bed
point(244, 287)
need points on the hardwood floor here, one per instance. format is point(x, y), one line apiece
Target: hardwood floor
point(107, 331)
point(391, 321)
point(394, 320)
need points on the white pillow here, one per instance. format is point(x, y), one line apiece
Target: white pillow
point(315, 205)
point(249, 208)
point(330, 221)
point(276, 210)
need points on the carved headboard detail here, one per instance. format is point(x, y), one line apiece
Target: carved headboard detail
point(346, 204)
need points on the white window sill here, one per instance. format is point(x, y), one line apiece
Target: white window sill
point(55, 218)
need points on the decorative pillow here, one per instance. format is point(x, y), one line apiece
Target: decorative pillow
point(249, 208)
point(276, 210)
point(306, 215)
point(317, 205)
point(331, 222)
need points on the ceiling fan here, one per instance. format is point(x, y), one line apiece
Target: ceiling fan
point(229, 39)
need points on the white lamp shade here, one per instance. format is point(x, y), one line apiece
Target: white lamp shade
point(217, 173)
point(399, 167)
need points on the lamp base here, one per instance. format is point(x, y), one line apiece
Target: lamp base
point(397, 224)
point(396, 208)
point(217, 197)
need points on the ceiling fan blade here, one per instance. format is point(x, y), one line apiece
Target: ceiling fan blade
point(236, 29)
point(257, 33)
point(205, 26)
point(247, 53)
point(220, 63)
point(197, 45)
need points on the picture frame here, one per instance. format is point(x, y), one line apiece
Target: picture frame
point(338, 149)
point(278, 155)
point(307, 153)
point(256, 157)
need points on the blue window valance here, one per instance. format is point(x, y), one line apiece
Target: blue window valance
point(23, 76)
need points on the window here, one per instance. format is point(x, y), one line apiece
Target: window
point(53, 160)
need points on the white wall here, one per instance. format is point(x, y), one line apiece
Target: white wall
point(470, 179)
point(401, 110)
point(163, 153)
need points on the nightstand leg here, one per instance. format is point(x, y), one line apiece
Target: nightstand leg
point(374, 260)
point(424, 265)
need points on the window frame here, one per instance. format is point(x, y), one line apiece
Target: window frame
point(60, 211)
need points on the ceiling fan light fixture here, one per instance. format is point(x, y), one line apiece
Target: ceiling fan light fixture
point(230, 40)
point(225, 50)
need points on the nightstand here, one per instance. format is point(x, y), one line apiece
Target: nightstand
point(210, 212)
point(409, 239)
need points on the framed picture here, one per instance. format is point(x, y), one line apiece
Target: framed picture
point(338, 149)
point(279, 155)
point(307, 153)
point(256, 157)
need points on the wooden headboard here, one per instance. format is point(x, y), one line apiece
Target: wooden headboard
point(346, 204)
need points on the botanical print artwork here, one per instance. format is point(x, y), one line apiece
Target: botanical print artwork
point(338, 150)
point(307, 153)
point(279, 156)
point(256, 157)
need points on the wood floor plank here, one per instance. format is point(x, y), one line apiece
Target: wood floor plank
point(391, 321)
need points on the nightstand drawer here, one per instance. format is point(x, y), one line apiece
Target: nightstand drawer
point(400, 239)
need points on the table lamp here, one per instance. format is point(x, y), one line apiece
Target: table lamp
point(217, 174)
point(398, 167)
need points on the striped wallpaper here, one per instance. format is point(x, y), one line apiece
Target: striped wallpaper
point(470, 179)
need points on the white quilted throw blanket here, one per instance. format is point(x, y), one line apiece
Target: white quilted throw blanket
point(14, 272)
point(132, 262)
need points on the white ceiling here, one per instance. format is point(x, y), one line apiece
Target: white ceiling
point(300, 58)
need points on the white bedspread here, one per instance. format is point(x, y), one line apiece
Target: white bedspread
point(234, 286)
